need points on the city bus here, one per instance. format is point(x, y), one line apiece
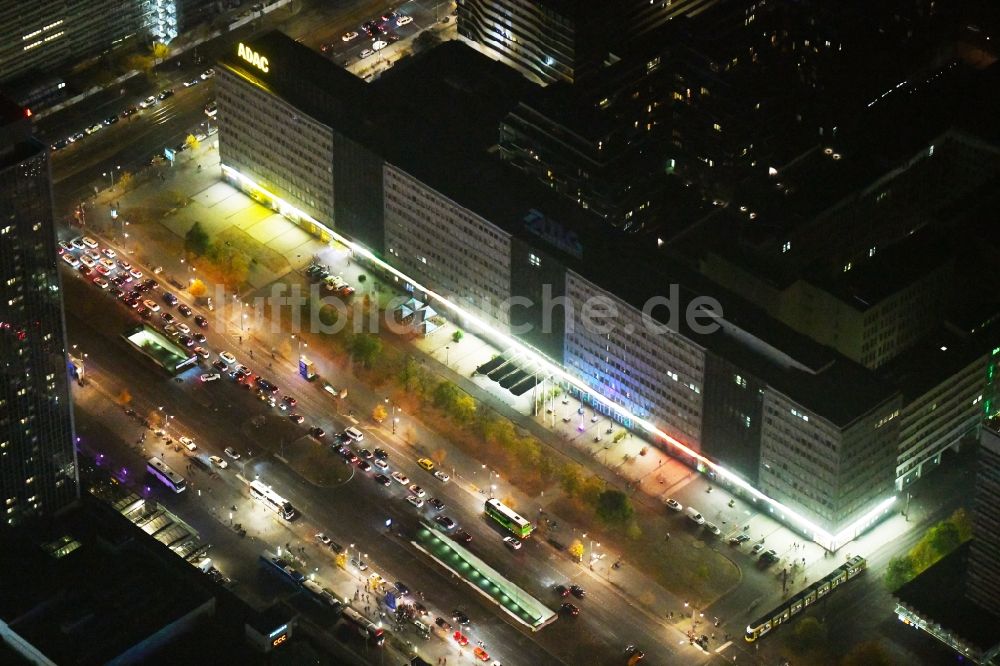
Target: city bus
point(272, 500)
point(783, 613)
point(365, 627)
point(514, 523)
point(169, 477)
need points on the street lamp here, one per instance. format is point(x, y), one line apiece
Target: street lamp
point(111, 173)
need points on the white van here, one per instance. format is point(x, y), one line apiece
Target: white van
point(354, 434)
point(693, 514)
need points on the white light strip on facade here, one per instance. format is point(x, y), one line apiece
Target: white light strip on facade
point(786, 514)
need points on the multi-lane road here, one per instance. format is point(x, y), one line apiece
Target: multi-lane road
point(220, 414)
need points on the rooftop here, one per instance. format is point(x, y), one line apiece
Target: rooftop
point(938, 594)
point(94, 586)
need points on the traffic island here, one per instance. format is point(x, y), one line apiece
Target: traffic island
point(483, 578)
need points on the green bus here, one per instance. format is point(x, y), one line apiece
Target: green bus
point(514, 523)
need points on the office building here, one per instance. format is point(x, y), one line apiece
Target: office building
point(38, 37)
point(563, 40)
point(37, 457)
point(955, 601)
point(782, 415)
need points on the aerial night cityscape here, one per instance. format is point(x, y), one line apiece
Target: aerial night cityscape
point(503, 332)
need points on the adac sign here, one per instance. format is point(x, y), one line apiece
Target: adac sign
point(254, 58)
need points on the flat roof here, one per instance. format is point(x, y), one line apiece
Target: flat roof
point(156, 345)
point(939, 594)
point(100, 599)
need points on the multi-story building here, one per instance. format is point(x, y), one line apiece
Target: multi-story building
point(563, 40)
point(38, 473)
point(983, 585)
point(772, 412)
point(40, 36)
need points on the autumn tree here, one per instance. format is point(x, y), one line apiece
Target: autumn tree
point(576, 550)
point(379, 413)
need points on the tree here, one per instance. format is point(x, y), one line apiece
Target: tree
point(140, 63)
point(125, 180)
point(809, 634)
point(425, 41)
point(614, 506)
point(457, 336)
point(379, 413)
point(869, 653)
point(463, 409)
point(192, 142)
point(438, 456)
point(590, 491)
point(944, 537)
point(900, 570)
point(160, 50)
point(364, 348)
point(576, 550)
point(124, 398)
point(571, 480)
point(445, 395)
point(341, 560)
point(328, 315)
point(196, 240)
point(197, 288)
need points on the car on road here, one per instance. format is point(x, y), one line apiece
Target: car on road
point(366, 454)
point(415, 501)
point(192, 82)
point(93, 129)
point(417, 490)
point(317, 432)
point(186, 340)
point(383, 479)
point(210, 377)
point(288, 401)
point(426, 463)
point(402, 589)
point(218, 462)
point(359, 564)
point(378, 45)
point(577, 591)
point(129, 110)
point(87, 260)
point(165, 94)
point(460, 617)
point(187, 443)
point(202, 352)
point(220, 366)
point(296, 418)
point(366, 54)
point(207, 74)
point(227, 358)
point(167, 317)
point(65, 246)
point(111, 120)
point(148, 102)
point(381, 463)
point(381, 454)
point(443, 623)
point(713, 528)
point(71, 260)
point(569, 609)
point(201, 321)
point(441, 476)
point(401, 478)
point(109, 253)
point(512, 543)
point(673, 504)
point(323, 539)
point(403, 20)
point(169, 298)
point(436, 504)
point(136, 274)
point(445, 522)
point(184, 310)
point(101, 282)
point(198, 337)
point(739, 539)
point(145, 313)
point(462, 535)
point(757, 547)
point(348, 36)
point(364, 466)
point(232, 453)
point(78, 243)
point(561, 590)
point(768, 557)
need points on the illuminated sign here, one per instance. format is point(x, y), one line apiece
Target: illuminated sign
point(279, 640)
point(551, 231)
point(254, 58)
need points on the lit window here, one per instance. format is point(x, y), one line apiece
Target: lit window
point(786, 247)
point(534, 260)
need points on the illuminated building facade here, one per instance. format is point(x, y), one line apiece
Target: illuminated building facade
point(748, 403)
point(42, 35)
point(38, 474)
